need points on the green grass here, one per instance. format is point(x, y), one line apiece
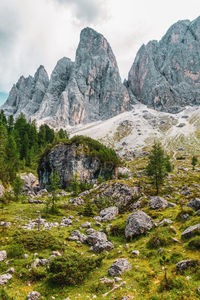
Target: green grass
point(146, 278)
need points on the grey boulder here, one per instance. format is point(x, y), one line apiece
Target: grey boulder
point(137, 224)
point(191, 231)
point(119, 267)
point(5, 278)
point(3, 255)
point(194, 204)
point(158, 203)
point(33, 295)
point(186, 264)
point(109, 213)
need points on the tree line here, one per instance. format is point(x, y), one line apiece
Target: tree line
point(21, 144)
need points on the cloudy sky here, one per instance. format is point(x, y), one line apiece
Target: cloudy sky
point(35, 32)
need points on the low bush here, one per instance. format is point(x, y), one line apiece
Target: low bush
point(37, 240)
point(72, 268)
point(159, 239)
point(118, 228)
point(184, 210)
point(15, 250)
point(194, 243)
point(4, 295)
point(89, 209)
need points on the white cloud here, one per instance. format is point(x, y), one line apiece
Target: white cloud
point(34, 32)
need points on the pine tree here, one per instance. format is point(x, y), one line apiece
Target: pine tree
point(158, 166)
point(17, 187)
point(194, 161)
point(12, 158)
point(3, 142)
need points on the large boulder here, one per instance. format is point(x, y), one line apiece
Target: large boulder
point(137, 224)
point(191, 231)
point(157, 202)
point(119, 267)
point(122, 195)
point(33, 295)
point(186, 264)
point(5, 278)
point(74, 159)
point(194, 204)
point(99, 242)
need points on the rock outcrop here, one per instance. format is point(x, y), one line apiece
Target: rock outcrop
point(119, 267)
point(70, 160)
point(166, 74)
point(83, 91)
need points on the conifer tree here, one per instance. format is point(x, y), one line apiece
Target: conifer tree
point(158, 166)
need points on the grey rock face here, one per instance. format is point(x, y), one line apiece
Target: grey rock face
point(83, 91)
point(186, 264)
point(194, 204)
point(166, 75)
point(158, 203)
point(138, 223)
point(76, 235)
point(70, 160)
point(119, 267)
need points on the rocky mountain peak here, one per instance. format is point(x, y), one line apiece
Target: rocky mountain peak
point(166, 75)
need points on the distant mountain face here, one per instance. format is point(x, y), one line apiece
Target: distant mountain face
point(166, 75)
point(83, 91)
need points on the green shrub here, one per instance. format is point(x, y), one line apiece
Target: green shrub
point(184, 210)
point(175, 258)
point(15, 250)
point(159, 239)
point(72, 268)
point(89, 209)
point(37, 240)
point(194, 243)
point(37, 274)
point(118, 228)
point(4, 295)
point(104, 203)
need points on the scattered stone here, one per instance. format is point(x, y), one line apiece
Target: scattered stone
point(66, 222)
point(107, 281)
point(86, 225)
point(138, 223)
point(173, 229)
point(135, 252)
point(76, 235)
point(33, 296)
point(109, 213)
point(185, 217)
point(35, 201)
point(165, 222)
point(5, 224)
point(157, 202)
point(160, 251)
point(117, 279)
point(3, 255)
point(25, 256)
point(5, 278)
point(194, 204)
point(170, 204)
point(186, 264)
point(98, 241)
point(11, 270)
point(124, 172)
point(98, 224)
point(77, 201)
point(191, 231)
point(119, 267)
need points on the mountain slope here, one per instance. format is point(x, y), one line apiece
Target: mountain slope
point(166, 75)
